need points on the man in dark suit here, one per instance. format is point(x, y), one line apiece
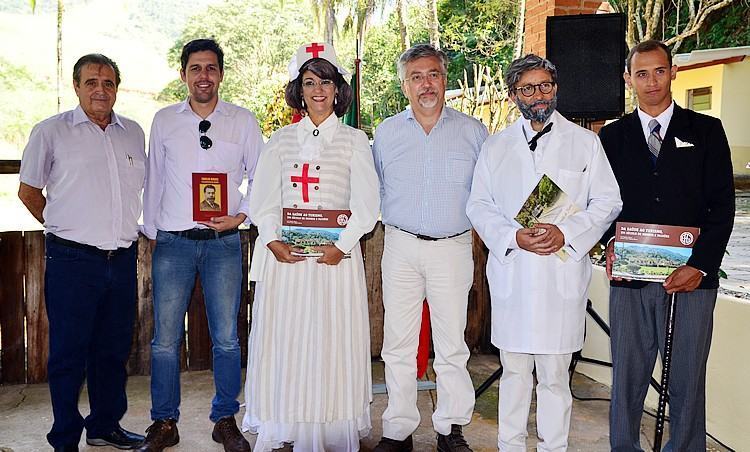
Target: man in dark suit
point(674, 168)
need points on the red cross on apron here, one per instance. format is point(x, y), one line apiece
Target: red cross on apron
point(305, 180)
point(314, 49)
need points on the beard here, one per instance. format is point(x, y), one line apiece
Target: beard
point(528, 111)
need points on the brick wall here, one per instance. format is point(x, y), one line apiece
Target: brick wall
point(535, 26)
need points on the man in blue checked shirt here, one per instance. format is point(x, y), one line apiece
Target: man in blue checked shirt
point(425, 159)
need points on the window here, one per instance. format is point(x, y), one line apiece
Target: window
point(699, 99)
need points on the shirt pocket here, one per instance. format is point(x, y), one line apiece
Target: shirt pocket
point(572, 183)
point(223, 157)
point(460, 168)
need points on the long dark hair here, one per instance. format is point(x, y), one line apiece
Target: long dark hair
point(325, 70)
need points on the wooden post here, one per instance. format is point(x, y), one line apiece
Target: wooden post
point(478, 318)
point(373, 252)
point(143, 332)
point(199, 341)
point(37, 326)
point(12, 308)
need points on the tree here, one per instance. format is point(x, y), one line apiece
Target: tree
point(258, 37)
point(433, 24)
point(478, 32)
point(671, 21)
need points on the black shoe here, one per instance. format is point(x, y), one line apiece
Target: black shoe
point(453, 442)
point(227, 434)
point(119, 438)
point(393, 445)
point(70, 448)
point(160, 435)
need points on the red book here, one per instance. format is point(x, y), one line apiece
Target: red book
point(209, 196)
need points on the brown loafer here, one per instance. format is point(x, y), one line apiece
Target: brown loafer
point(160, 435)
point(226, 433)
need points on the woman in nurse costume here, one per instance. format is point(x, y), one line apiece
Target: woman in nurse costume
point(308, 374)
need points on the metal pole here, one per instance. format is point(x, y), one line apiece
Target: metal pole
point(666, 364)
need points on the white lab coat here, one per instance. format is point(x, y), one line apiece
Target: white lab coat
point(538, 302)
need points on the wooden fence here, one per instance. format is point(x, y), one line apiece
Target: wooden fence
point(23, 318)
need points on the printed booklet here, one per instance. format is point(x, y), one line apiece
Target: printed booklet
point(209, 196)
point(306, 228)
point(651, 252)
point(547, 203)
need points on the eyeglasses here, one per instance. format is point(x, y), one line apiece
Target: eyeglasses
point(419, 78)
point(310, 84)
point(529, 90)
point(203, 127)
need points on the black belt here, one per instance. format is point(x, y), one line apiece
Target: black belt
point(202, 234)
point(91, 249)
point(430, 238)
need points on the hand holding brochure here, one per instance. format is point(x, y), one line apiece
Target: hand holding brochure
point(306, 228)
point(547, 203)
point(651, 252)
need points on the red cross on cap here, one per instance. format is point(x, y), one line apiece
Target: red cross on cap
point(315, 49)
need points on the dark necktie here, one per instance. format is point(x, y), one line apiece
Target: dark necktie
point(532, 143)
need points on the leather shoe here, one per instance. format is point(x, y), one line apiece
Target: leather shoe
point(453, 442)
point(69, 448)
point(119, 438)
point(227, 433)
point(393, 445)
point(161, 434)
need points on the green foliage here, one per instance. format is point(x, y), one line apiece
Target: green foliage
point(258, 37)
point(278, 114)
point(480, 32)
point(731, 28)
point(381, 91)
point(25, 102)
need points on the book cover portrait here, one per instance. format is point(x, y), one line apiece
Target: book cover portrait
point(209, 195)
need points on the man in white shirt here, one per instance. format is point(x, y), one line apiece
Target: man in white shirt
point(200, 135)
point(538, 296)
point(92, 163)
point(425, 157)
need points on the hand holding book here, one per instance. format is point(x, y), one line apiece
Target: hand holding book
point(284, 253)
point(331, 254)
point(542, 239)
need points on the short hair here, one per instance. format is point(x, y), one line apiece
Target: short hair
point(420, 51)
point(209, 186)
point(325, 70)
point(200, 45)
point(528, 63)
point(648, 46)
point(97, 59)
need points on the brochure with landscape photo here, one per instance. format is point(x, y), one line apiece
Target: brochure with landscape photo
point(651, 252)
point(306, 228)
point(547, 203)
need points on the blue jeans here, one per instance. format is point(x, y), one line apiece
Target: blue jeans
point(90, 300)
point(176, 262)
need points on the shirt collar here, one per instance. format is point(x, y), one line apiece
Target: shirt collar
point(664, 118)
point(445, 113)
point(79, 117)
point(221, 107)
point(529, 131)
point(327, 128)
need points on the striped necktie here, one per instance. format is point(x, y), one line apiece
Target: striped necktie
point(654, 139)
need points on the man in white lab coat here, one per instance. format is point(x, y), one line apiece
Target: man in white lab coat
point(539, 298)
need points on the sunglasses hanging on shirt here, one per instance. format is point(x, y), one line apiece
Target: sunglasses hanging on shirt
point(203, 127)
